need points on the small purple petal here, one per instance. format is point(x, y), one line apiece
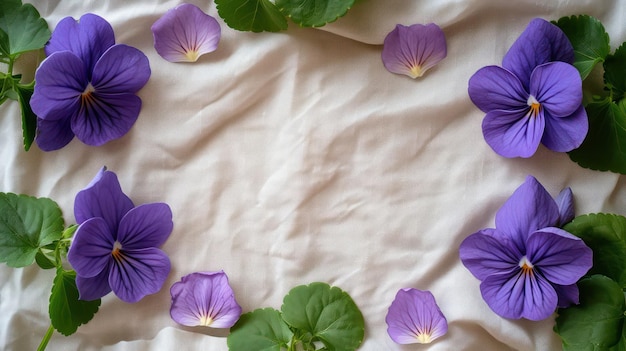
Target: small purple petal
point(185, 33)
point(121, 69)
point(565, 203)
point(144, 226)
point(484, 255)
point(518, 295)
point(413, 50)
point(87, 38)
point(568, 295)
point(494, 88)
point(53, 135)
point(529, 208)
point(91, 249)
point(558, 87)
point(513, 133)
point(541, 42)
point(105, 117)
point(561, 257)
point(103, 198)
point(566, 133)
point(93, 288)
point(414, 317)
point(138, 273)
point(204, 299)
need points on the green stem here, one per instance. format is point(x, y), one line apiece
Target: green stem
point(8, 78)
point(46, 338)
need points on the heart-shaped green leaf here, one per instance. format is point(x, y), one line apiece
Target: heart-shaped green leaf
point(251, 15)
point(262, 329)
point(24, 28)
point(604, 148)
point(589, 39)
point(26, 224)
point(597, 322)
point(615, 73)
point(314, 13)
point(67, 312)
point(328, 314)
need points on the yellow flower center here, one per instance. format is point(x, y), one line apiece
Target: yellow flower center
point(192, 55)
point(205, 320)
point(116, 252)
point(424, 338)
point(87, 94)
point(416, 71)
point(534, 105)
point(526, 266)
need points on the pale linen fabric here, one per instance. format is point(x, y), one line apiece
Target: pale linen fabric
point(295, 157)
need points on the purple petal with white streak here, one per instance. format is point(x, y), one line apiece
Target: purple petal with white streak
point(414, 317)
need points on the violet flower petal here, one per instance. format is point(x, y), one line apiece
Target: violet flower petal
point(94, 288)
point(561, 257)
point(102, 198)
point(144, 226)
point(558, 87)
point(88, 38)
point(528, 209)
point(566, 134)
point(204, 299)
point(484, 255)
point(414, 317)
point(539, 43)
point(568, 295)
point(137, 273)
point(185, 33)
point(413, 50)
point(513, 133)
point(53, 135)
point(565, 204)
point(122, 69)
point(59, 86)
point(91, 249)
point(518, 295)
point(494, 88)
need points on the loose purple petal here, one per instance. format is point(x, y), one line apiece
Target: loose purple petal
point(122, 69)
point(204, 299)
point(484, 255)
point(414, 317)
point(105, 117)
point(558, 87)
point(185, 33)
point(529, 208)
point(562, 257)
point(517, 295)
point(144, 226)
point(138, 273)
point(87, 38)
point(565, 203)
point(103, 198)
point(413, 50)
point(53, 135)
point(494, 88)
point(513, 133)
point(94, 288)
point(91, 249)
point(541, 42)
point(567, 133)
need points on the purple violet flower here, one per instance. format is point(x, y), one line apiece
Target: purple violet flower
point(204, 299)
point(536, 97)
point(185, 33)
point(414, 317)
point(413, 50)
point(87, 85)
point(526, 265)
point(116, 246)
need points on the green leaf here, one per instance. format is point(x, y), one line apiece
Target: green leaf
point(604, 148)
point(597, 322)
point(24, 28)
point(251, 15)
point(589, 39)
point(67, 312)
point(328, 314)
point(262, 329)
point(44, 261)
point(621, 345)
point(26, 224)
point(29, 119)
point(314, 13)
point(615, 73)
point(605, 234)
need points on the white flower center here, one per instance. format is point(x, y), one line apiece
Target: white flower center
point(116, 252)
point(526, 266)
point(534, 106)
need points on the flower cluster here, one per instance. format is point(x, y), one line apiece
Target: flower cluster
point(87, 85)
point(535, 97)
point(526, 264)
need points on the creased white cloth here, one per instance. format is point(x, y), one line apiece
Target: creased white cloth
point(295, 157)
